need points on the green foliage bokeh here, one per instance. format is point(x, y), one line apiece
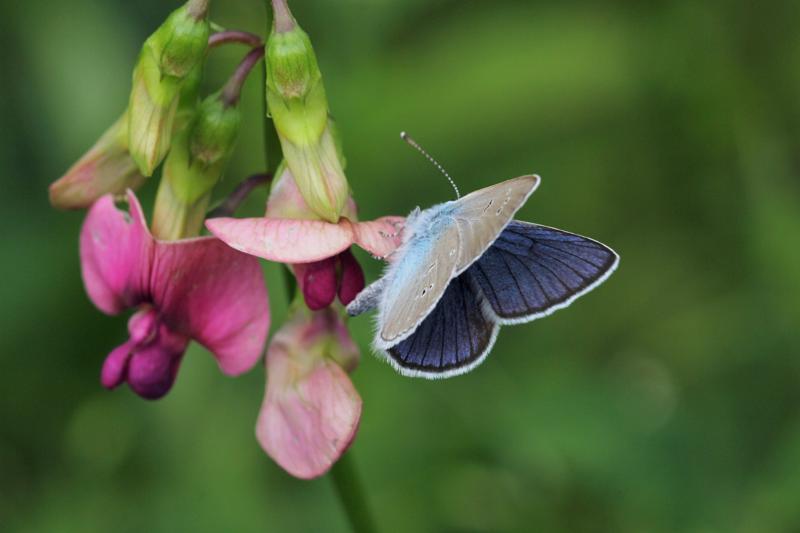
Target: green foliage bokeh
point(666, 400)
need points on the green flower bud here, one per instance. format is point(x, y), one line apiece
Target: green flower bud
point(194, 165)
point(299, 108)
point(170, 58)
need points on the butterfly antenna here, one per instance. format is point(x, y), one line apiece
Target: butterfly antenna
point(420, 149)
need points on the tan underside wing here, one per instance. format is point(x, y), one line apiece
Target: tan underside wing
point(482, 215)
point(434, 273)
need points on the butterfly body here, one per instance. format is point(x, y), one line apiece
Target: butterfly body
point(464, 268)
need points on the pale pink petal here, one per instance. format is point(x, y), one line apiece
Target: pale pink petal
point(115, 251)
point(307, 424)
point(285, 200)
point(344, 350)
point(214, 294)
point(283, 240)
point(380, 237)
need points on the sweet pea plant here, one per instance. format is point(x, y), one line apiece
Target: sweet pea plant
point(182, 286)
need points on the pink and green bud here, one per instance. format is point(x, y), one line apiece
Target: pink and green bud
point(310, 413)
point(193, 167)
point(169, 57)
point(106, 168)
point(299, 108)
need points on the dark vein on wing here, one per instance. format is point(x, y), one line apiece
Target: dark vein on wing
point(516, 281)
point(554, 258)
point(469, 328)
point(572, 254)
point(489, 282)
point(539, 283)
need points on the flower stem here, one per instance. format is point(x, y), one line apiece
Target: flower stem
point(230, 204)
point(351, 494)
point(234, 36)
point(233, 88)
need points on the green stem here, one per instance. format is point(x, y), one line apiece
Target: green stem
point(351, 494)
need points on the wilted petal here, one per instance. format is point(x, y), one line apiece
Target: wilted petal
point(352, 277)
point(283, 240)
point(214, 294)
point(380, 237)
point(106, 168)
point(306, 423)
point(116, 251)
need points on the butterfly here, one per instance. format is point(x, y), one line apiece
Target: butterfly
point(465, 268)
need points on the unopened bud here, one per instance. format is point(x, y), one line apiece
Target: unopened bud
point(168, 58)
point(106, 168)
point(194, 165)
point(296, 100)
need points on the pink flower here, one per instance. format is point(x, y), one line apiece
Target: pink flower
point(318, 251)
point(189, 289)
point(311, 410)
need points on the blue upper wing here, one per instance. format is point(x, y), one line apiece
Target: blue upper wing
point(531, 270)
point(455, 337)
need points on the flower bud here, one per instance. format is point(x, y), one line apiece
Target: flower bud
point(296, 100)
point(168, 58)
point(106, 168)
point(194, 165)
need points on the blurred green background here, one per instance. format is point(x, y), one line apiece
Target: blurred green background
point(666, 400)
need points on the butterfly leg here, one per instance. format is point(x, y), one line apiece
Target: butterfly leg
point(368, 298)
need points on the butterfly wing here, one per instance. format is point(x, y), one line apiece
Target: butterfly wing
point(454, 338)
point(482, 215)
point(532, 270)
point(417, 283)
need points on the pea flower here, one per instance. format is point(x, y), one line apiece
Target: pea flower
point(317, 250)
point(106, 168)
point(310, 412)
point(190, 289)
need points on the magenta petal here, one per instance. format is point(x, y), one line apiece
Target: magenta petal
point(317, 282)
point(116, 365)
point(379, 237)
point(214, 294)
point(152, 368)
point(283, 240)
point(115, 251)
point(352, 277)
point(307, 424)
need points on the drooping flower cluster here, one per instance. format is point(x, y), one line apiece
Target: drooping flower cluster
point(185, 287)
